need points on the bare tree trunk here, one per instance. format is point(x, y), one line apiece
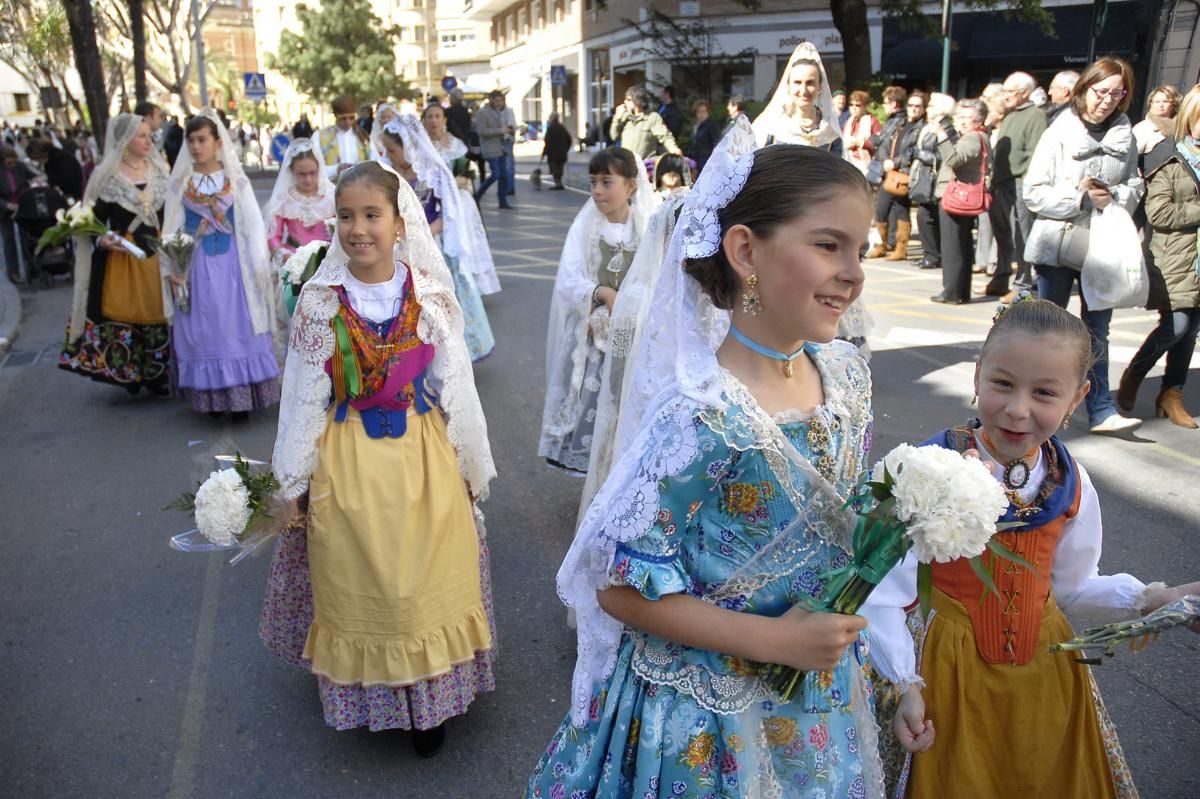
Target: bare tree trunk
point(850, 18)
point(87, 61)
point(137, 25)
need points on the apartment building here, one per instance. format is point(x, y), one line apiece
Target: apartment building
point(600, 52)
point(464, 46)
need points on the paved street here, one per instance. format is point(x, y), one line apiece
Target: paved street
point(136, 671)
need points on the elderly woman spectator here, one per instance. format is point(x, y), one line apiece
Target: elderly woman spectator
point(1085, 161)
point(1173, 211)
point(1159, 124)
point(705, 135)
point(961, 147)
point(640, 130)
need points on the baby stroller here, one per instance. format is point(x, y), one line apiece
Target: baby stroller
point(37, 208)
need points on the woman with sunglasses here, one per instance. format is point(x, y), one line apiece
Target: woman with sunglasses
point(1085, 161)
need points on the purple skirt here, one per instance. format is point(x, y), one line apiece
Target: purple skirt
point(220, 362)
point(283, 627)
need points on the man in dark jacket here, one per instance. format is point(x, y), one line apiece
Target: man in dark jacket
point(303, 129)
point(458, 118)
point(705, 135)
point(669, 111)
point(63, 170)
point(556, 148)
point(172, 139)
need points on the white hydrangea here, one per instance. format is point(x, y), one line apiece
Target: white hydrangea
point(294, 266)
point(949, 503)
point(222, 507)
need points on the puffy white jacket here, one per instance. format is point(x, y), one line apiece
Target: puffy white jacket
point(1064, 155)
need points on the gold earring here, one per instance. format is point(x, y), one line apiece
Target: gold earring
point(1066, 422)
point(751, 302)
point(974, 399)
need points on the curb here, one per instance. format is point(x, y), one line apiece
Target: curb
point(10, 312)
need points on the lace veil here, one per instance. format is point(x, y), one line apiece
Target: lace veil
point(286, 202)
point(259, 278)
point(107, 183)
point(571, 311)
point(776, 120)
point(619, 408)
point(463, 236)
point(307, 388)
point(377, 125)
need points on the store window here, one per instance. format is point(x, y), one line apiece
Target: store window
point(600, 85)
point(22, 102)
point(522, 22)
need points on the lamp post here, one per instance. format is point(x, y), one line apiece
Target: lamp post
point(947, 18)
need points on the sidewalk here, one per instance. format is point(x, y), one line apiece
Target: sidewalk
point(10, 312)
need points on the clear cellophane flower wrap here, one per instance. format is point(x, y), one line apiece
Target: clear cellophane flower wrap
point(1097, 643)
point(78, 220)
point(237, 508)
point(178, 248)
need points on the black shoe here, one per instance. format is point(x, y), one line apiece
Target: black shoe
point(930, 264)
point(158, 389)
point(132, 388)
point(214, 414)
point(996, 288)
point(508, 206)
point(947, 299)
point(557, 188)
point(240, 416)
point(426, 743)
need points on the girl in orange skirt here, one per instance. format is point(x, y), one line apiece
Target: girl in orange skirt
point(1013, 718)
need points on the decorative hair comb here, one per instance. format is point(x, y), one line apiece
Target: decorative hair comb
point(1023, 296)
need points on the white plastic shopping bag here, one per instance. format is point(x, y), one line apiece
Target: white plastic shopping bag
point(1114, 271)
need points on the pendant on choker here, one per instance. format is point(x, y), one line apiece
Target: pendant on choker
point(786, 358)
point(1016, 474)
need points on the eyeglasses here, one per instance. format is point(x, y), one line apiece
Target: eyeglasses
point(1103, 94)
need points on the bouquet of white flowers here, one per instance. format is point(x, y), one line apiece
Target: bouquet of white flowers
point(78, 220)
point(930, 500)
point(298, 268)
point(235, 508)
point(178, 248)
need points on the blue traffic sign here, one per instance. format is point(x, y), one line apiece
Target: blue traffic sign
point(558, 76)
point(279, 145)
point(256, 85)
point(449, 82)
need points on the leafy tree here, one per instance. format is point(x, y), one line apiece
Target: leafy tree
point(343, 49)
point(689, 45)
point(36, 42)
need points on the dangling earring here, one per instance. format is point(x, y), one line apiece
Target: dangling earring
point(751, 302)
point(1066, 422)
point(974, 399)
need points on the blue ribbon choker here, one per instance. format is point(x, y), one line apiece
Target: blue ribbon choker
point(775, 355)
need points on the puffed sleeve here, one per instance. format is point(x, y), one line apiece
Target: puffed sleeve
point(892, 652)
point(651, 562)
point(1085, 595)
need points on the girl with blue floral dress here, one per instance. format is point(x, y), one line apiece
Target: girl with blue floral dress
point(689, 570)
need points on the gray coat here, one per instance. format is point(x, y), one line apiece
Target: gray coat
point(962, 159)
point(495, 138)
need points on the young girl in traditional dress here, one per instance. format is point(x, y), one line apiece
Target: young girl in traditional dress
point(118, 330)
point(595, 260)
point(454, 221)
point(1033, 722)
point(299, 207)
point(223, 343)
point(688, 569)
point(380, 429)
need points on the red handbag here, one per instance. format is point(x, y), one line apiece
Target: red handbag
point(969, 199)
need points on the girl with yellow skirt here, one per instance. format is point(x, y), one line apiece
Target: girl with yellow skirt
point(384, 592)
point(1013, 718)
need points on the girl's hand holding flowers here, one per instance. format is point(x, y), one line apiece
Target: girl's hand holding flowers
point(814, 641)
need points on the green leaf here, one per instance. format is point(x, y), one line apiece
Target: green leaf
point(924, 586)
point(1002, 551)
point(985, 576)
point(185, 502)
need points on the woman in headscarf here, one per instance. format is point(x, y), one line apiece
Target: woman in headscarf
point(118, 331)
point(801, 109)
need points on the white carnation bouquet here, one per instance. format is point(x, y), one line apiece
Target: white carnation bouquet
point(298, 268)
point(235, 508)
point(78, 220)
point(929, 500)
point(178, 248)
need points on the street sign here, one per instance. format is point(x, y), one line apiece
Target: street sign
point(449, 82)
point(558, 76)
point(256, 86)
point(279, 145)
